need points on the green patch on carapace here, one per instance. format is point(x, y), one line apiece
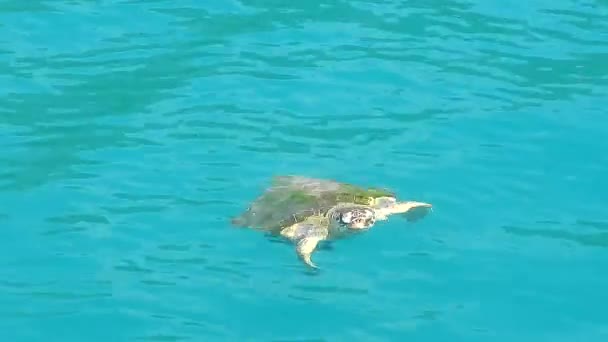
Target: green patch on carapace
point(361, 195)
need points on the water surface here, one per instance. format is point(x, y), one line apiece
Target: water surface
point(131, 131)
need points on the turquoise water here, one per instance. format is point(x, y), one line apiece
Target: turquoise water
point(131, 131)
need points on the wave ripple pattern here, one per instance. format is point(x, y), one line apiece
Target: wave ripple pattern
point(131, 131)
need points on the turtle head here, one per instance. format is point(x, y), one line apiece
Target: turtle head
point(355, 217)
point(388, 205)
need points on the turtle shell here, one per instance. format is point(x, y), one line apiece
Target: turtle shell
point(291, 199)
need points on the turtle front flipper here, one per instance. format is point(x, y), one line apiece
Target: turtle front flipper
point(305, 247)
point(306, 235)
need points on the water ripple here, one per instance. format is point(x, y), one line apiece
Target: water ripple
point(128, 145)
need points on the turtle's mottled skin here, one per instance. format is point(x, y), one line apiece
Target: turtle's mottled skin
point(309, 210)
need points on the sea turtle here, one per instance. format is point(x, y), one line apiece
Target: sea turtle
point(309, 210)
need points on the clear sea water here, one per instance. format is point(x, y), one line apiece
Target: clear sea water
point(131, 131)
